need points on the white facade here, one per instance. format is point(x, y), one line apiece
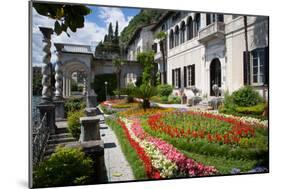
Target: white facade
point(142, 41)
point(203, 50)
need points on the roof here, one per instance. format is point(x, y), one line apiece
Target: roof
point(73, 48)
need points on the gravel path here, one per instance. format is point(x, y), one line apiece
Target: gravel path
point(117, 167)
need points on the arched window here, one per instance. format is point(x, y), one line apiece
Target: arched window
point(189, 28)
point(182, 32)
point(197, 22)
point(177, 36)
point(171, 39)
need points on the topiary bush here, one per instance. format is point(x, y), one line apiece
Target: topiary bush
point(164, 90)
point(246, 97)
point(65, 167)
point(73, 121)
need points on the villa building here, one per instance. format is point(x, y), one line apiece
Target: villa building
point(141, 41)
point(203, 49)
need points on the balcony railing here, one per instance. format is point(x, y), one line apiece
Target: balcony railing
point(212, 31)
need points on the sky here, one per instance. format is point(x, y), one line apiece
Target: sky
point(95, 27)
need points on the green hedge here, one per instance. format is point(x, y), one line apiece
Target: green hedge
point(73, 122)
point(65, 167)
point(99, 86)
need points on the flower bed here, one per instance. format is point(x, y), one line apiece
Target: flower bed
point(160, 158)
point(213, 136)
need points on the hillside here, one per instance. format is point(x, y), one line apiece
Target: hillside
point(145, 17)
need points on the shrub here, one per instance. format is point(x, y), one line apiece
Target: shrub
point(174, 99)
point(74, 104)
point(67, 166)
point(246, 97)
point(164, 90)
point(129, 91)
point(73, 121)
point(99, 86)
point(252, 110)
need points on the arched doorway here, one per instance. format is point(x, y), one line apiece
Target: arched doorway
point(215, 74)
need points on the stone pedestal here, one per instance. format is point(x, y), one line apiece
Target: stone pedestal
point(91, 99)
point(59, 104)
point(49, 109)
point(90, 111)
point(89, 128)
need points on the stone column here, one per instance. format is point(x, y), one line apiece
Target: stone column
point(47, 66)
point(58, 100)
point(46, 107)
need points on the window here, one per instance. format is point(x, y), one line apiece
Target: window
point(182, 32)
point(197, 24)
point(235, 16)
point(176, 78)
point(191, 75)
point(131, 78)
point(220, 17)
point(171, 39)
point(177, 36)
point(257, 66)
point(189, 29)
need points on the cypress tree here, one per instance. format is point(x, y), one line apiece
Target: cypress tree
point(110, 32)
point(116, 31)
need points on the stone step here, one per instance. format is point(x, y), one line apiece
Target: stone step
point(61, 130)
point(61, 140)
point(61, 135)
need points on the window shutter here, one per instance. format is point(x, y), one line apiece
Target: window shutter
point(266, 66)
point(173, 78)
point(245, 67)
point(184, 76)
point(193, 74)
point(179, 71)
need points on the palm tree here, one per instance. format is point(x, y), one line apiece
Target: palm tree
point(118, 63)
point(161, 36)
point(246, 50)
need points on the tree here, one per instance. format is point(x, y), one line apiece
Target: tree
point(116, 33)
point(162, 37)
point(145, 92)
point(66, 15)
point(246, 50)
point(110, 32)
point(118, 63)
point(147, 60)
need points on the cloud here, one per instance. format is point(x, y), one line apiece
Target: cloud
point(109, 14)
point(90, 34)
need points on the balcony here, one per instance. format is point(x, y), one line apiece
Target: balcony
point(212, 31)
